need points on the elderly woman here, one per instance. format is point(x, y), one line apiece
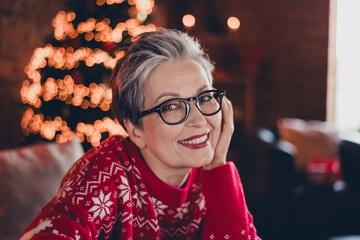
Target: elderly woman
point(169, 179)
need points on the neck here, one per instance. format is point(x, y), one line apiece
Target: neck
point(172, 179)
point(175, 177)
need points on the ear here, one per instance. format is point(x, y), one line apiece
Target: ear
point(135, 133)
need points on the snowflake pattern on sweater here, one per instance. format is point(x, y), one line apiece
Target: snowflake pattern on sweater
point(110, 193)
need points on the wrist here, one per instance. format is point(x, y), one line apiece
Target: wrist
point(214, 164)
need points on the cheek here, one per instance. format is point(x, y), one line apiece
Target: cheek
point(169, 133)
point(160, 133)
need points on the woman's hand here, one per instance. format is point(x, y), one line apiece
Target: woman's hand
point(227, 131)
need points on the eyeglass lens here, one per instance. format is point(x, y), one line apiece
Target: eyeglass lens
point(175, 111)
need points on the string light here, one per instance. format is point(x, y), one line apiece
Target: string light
point(65, 89)
point(63, 26)
point(34, 89)
point(48, 129)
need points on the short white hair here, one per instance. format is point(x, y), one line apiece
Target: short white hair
point(148, 51)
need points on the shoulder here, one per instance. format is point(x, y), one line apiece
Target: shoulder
point(89, 193)
point(101, 167)
point(114, 149)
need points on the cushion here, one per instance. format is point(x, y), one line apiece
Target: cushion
point(29, 177)
point(311, 139)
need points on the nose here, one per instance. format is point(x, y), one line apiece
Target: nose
point(195, 118)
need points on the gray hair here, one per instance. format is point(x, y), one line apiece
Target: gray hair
point(148, 51)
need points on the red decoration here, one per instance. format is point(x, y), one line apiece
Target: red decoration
point(108, 46)
point(324, 171)
point(78, 77)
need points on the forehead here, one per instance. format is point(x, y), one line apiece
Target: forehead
point(180, 77)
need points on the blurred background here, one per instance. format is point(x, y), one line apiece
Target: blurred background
point(274, 64)
point(276, 59)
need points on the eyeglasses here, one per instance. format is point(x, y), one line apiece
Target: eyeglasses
point(175, 111)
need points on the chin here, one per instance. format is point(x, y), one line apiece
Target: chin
point(205, 160)
point(198, 157)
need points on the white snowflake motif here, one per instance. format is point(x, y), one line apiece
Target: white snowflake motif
point(182, 210)
point(124, 189)
point(65, 188)
point(200, 201)
point(158, 206)
point(139, 196)
point(102, 204)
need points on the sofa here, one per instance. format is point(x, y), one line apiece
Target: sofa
point(29, 177)
point(286, 201)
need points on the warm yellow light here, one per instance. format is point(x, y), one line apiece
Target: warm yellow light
point(81, 137)
point(35, 90)
point(100, 2)
point(59, 139)
point(106, 21)
point(98, 124)
point(104, 106)
point(188, 20)
point(85, 104)
point(38, 103)
point(89, 36)
point(70, 16)
point(233, 23)
point(141, 16)
point(145, 5)
point(131, 23)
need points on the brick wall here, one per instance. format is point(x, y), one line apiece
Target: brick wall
point(24, 25)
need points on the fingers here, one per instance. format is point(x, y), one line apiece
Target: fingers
point(227, 130)
point(227, 115)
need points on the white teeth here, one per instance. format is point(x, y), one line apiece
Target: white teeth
point(195, 141)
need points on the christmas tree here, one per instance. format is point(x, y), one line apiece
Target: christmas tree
point(67, 91)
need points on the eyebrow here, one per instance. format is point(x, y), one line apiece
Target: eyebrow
point(170, 94)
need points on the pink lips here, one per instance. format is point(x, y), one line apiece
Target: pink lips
point(196, 141)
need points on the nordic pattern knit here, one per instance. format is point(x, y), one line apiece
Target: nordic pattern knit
point(110, 193)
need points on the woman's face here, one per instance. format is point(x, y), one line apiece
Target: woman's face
point(188, 144)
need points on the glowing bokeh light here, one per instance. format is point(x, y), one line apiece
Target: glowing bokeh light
point(35, 90)
point(233, 23)
point(188, 20)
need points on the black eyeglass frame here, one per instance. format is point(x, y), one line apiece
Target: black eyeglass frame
point(157, 108)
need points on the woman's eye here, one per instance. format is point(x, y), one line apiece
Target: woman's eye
point(205, 98)
point(169, 107)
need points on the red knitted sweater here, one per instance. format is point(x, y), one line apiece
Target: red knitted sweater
point(110, 193)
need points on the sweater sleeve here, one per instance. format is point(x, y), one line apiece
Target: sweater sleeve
point(60, 222)
point(227, 215)
point(85, 207)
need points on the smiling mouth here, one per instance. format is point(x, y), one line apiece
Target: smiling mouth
point(195, 141)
